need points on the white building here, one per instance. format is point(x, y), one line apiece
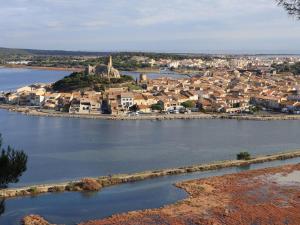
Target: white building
point(36, 100)
point(126, 100)
point(84, 107)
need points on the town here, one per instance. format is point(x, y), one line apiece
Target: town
point(220, 85)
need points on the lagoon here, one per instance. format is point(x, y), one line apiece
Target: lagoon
point(72, 208)
point(63, 149)
point(11, 79)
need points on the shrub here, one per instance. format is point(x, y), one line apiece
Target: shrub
point(89, 184)
point(188, 104)
point(12, 165)
point(56, 189)
point(243, 156)
point(33, 190)
point(157, 107)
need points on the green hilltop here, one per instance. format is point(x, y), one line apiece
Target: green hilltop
point(80, 81)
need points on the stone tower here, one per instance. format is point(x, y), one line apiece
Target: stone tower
point(109, 65)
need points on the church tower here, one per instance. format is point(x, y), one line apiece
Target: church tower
point(109, 66)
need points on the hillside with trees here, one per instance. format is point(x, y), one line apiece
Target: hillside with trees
point(80, 81)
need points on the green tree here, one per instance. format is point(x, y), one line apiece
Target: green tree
point(291, 6)
point(13, 164)
point(189, 104)
point(286, 67)
point(243, 156)
point(157, 107)
point(2, 206)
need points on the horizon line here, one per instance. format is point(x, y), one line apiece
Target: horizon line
point(204, 52)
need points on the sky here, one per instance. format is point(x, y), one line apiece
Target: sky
point(196, 26)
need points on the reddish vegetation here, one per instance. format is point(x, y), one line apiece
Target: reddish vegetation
point(89, 184)
point(34, 220)
point(249, 198)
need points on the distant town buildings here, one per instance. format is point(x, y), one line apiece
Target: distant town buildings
point(230, 85)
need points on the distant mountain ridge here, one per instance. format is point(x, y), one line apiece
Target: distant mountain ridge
point(37, 52)
point(16, 51)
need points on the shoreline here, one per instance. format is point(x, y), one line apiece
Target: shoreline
point(96, 184)
point(30, 111)
point(42, 68)
point(263, 195)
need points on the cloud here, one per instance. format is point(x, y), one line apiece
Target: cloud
point(145, 25)
point(94, 23)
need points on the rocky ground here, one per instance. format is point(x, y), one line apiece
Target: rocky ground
point(261, 197)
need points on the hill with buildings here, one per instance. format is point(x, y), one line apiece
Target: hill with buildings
point(97, 78)
point(80, 80)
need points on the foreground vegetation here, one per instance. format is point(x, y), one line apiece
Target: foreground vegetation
point(243, 156)
point(12, 165)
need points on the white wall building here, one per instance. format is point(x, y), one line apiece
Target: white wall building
point(127, 100)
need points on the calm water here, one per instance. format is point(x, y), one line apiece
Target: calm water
point(72, 208)
point(66, 148)
point(11, 79)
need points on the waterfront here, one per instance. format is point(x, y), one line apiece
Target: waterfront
point(250, 197)
point(72, 208)
point(62, 149)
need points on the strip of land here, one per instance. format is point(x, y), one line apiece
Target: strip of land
point(30, 111)
point(95, 184)
point(267, 196)
point(44, 68)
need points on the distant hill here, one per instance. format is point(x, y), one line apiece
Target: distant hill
point(35, 52)
point(14, 51)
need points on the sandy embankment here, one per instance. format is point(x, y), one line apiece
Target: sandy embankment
point(95, 184)
point(267, 196)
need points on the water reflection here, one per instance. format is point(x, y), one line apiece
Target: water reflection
point(243, 168)
point(89, 194)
